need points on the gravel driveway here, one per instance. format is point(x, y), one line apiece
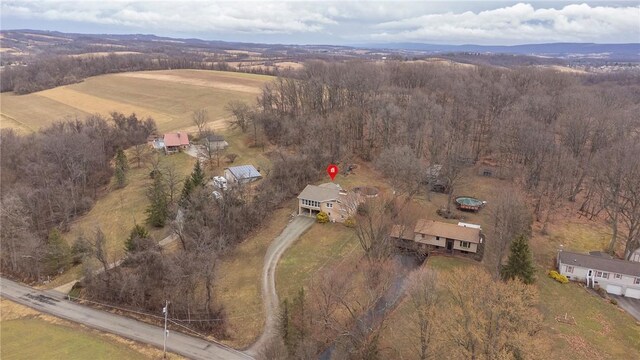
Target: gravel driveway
point(289, 235)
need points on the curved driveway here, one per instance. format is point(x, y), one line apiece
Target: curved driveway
point(289, 235)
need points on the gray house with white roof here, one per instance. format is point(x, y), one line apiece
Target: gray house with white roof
point(619, 277)
point(241, 174)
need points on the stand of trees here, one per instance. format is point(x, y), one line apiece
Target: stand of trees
point(51, 177)
point(46, 72)
point(568, 137)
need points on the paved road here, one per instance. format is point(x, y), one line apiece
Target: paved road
point(53, 303)
point(632, 306)
point(288, 236)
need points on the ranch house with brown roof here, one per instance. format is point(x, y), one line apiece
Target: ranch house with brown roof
point(430, 235)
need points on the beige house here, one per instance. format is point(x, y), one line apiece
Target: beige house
point(434, 235)
point(329, 198)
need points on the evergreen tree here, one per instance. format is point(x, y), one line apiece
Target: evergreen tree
point(285, 327)
point(197, 175)
point(520, 263)
point(192, 182)
point(158, 209)
point(58, 252)
point(187, 189)
point(122, 165)
point(137, 234)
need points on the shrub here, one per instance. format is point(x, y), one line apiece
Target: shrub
point(322, 217)
point(613, 301)
point(350, 222)
point(558, 277)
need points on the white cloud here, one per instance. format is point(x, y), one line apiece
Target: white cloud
point(439, 22)
point(518, 23)
point(198, 16)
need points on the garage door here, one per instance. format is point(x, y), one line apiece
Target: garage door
point(633, 293)
point(614, 289)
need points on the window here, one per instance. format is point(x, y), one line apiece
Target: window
point(437, 238)
point(617, 276)
point(329, 205)
point(604, 275)
point(637, 281)
point(465, 244)
point(568, 269)
point(598, 273)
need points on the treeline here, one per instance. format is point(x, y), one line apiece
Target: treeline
point(560, 136)
point(51, 177)
point(50, 71)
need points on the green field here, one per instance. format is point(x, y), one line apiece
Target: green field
point(168, 96)
point(29, 335)
point(321, 247)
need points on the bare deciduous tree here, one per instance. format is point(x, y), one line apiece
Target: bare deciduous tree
point(510, 217)
point(200, 119)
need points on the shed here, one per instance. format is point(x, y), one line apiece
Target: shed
point(241, 174)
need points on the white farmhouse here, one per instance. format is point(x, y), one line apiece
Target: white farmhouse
point(619, 277)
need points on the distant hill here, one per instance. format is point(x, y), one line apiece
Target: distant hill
point(626, 52)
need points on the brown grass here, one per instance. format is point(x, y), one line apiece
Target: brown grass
point(195, 81)
point(239, 280)
point(169, 97)
point(119, 210)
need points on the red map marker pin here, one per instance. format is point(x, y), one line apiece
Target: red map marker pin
point(332, 170)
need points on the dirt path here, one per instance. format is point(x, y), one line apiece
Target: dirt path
point(279, 245)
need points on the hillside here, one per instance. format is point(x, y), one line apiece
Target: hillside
point(169, 97)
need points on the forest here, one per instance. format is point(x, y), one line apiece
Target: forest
point(558, 137)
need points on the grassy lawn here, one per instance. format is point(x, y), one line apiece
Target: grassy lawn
point(117, 211)
point(167, 96)
point(321, 247)
point(603, 331)
point(27, 334)
point(238, 284)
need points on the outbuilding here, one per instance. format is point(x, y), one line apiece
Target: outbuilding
point(241, 174)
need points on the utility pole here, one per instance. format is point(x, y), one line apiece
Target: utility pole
point(165, 311)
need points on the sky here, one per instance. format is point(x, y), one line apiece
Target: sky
point(339, 23)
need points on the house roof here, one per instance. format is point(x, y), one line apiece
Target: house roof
point(324, 192)
point(449, 231)
point(176, 139)
point(600, 263)
point(402, 232)
point(244, 172)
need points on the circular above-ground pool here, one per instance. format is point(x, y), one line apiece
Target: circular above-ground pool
point(367, 191)
point(469, 203)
